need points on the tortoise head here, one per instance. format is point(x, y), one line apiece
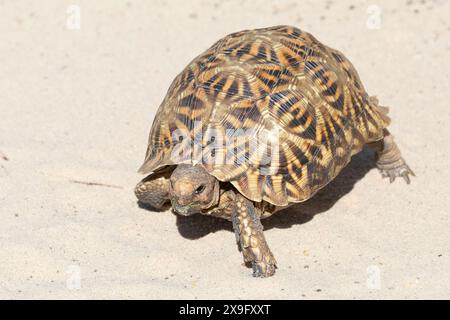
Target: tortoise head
point(192, 189)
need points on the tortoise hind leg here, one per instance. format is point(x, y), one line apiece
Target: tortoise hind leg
point(153, 190)
point(249, 233)
point(389, 159)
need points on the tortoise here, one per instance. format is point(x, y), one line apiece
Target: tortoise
point(261, 120)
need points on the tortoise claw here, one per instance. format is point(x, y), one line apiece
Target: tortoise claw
point(401, 171)
point(262, 269)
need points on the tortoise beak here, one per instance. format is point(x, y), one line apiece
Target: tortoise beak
point(184, 210)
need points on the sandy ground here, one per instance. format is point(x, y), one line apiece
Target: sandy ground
point(77, 105)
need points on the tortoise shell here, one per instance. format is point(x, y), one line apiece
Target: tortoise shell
point(272, 111)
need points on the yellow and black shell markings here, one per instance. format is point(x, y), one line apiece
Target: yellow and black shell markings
point(273, 111)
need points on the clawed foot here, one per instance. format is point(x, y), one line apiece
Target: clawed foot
point(389, 159)
point(263, 269)
point(399, 171)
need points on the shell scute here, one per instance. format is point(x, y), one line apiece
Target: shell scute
point(273, 111)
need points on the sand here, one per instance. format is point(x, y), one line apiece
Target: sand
point(77, 105)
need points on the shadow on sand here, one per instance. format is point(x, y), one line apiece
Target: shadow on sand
point(198, 226)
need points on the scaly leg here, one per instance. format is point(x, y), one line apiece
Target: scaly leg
point(224, 208)
point(249, 232)
point(389, 159)
point(154, 189)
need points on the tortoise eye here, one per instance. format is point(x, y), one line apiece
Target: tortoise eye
point(200, 189)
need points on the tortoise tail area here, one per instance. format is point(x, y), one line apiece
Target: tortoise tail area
point(378, 117)
point(380, 111)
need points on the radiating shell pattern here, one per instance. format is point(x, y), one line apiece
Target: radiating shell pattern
point(273, 111)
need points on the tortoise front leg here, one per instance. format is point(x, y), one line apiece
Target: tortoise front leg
point(154, 189)
point(249, 233)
